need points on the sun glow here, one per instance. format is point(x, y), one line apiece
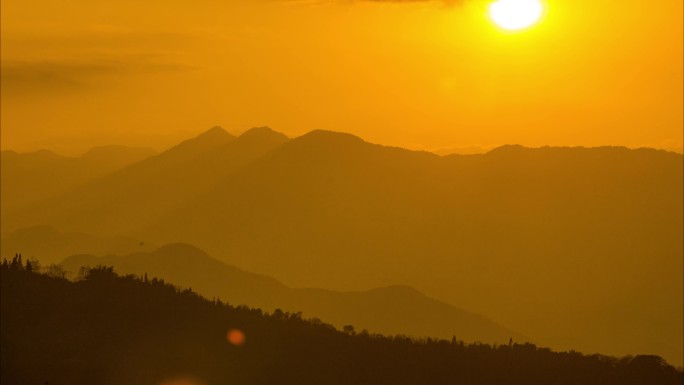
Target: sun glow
point(515, 15)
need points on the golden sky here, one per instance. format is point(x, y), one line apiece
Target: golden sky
point(428, 75)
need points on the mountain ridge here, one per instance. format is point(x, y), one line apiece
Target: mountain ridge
point(377, 310)
point(150, 187)
point(332, 211)
point(30, 178)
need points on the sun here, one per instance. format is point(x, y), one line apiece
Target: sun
point(514, 15)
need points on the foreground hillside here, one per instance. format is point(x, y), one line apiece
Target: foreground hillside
point(388, 310)
point(106, 329)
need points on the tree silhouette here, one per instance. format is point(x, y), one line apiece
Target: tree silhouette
point(109, 329)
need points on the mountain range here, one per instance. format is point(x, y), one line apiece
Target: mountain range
point(577, 247)
point(51, 246)
point(28, 178)
point(390, 310)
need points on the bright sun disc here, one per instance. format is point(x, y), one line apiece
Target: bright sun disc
point(516, 14)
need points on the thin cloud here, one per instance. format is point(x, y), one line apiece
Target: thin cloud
point(30, 77)
point(47, 76)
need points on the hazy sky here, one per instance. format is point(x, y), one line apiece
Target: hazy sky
point(78, 73)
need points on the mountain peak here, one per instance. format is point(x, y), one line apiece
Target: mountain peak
point(323, 144)
point(326, 135)
point(42, 155)
point(216, 132)
point(262, 133)
point(507, 148)
point(213, 138)
point(328, 141)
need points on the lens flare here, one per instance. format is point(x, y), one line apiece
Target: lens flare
point(236, 337)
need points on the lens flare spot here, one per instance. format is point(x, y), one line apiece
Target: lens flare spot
point(236, 337)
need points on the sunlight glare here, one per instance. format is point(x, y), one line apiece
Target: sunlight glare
point(515, 15)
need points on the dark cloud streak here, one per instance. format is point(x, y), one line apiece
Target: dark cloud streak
point(46, 77)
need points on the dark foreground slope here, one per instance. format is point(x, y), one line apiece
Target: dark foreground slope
point(111, 330)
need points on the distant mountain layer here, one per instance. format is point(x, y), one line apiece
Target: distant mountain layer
point(391, 310)
point(134, 196)
point(49, 245)
point(32, 177)
point(579, 247)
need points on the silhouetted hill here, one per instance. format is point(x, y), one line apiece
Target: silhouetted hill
point(399, 310)
point(49, 245)
point(209, 140)
point(110, 330)
point(31, 177)
point(263, 134)
point(391, 310)
point(578, 247)
point(189, 266)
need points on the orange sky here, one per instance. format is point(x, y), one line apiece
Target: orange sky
point(79, 73)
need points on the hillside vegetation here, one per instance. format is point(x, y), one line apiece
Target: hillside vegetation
point(106, 329)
